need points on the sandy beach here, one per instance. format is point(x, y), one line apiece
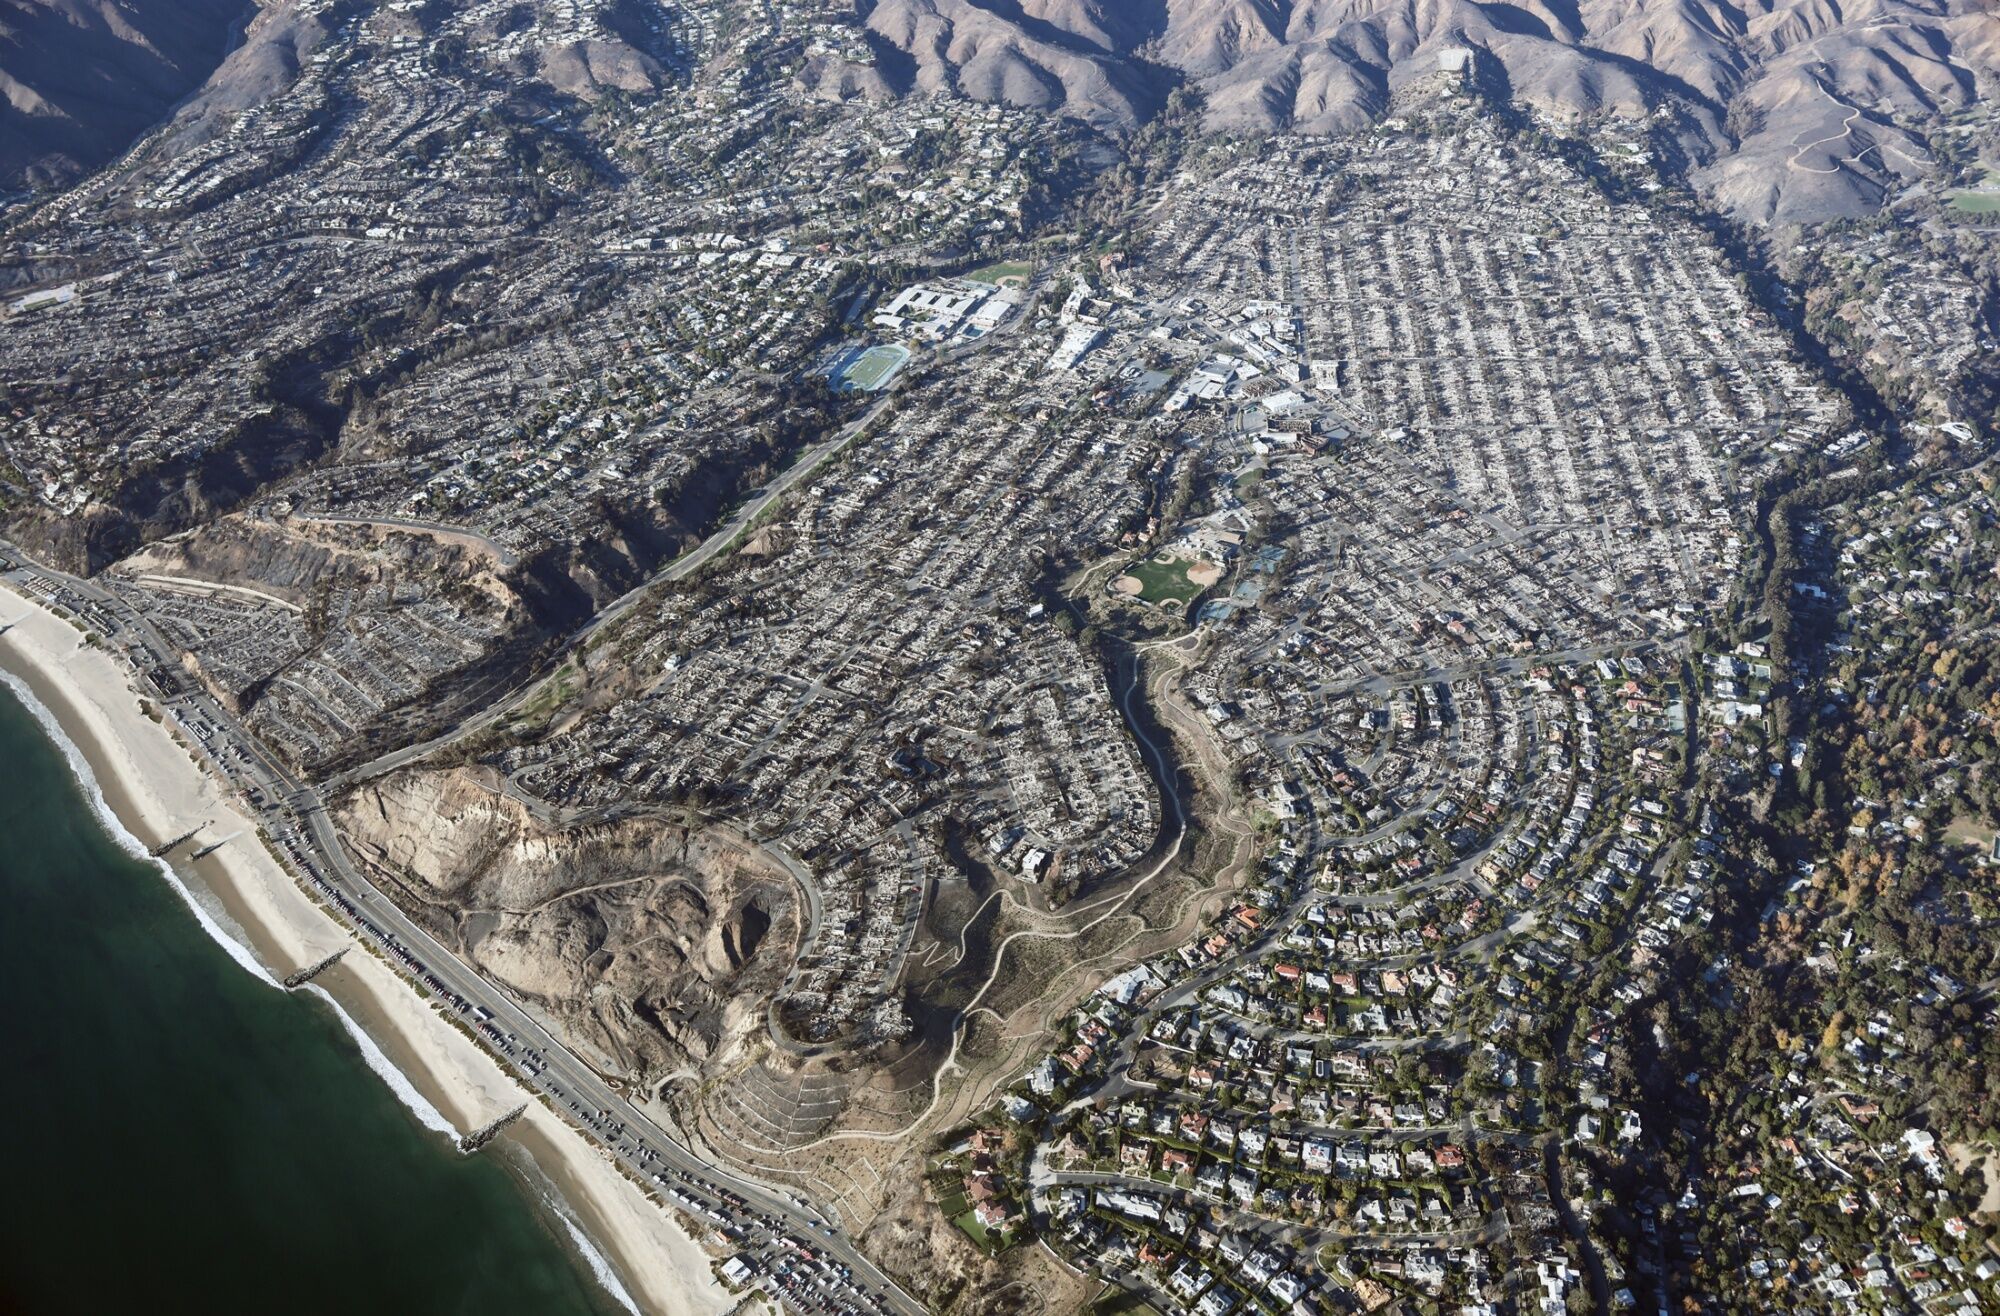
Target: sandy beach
point(158, 792)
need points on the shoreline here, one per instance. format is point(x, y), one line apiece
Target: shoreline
point(155, 790)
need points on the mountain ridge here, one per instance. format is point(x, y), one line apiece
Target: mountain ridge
point(1827, 96)
point(80, 80)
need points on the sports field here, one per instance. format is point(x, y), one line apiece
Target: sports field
point(1157, 581)
point(1002, 273)
point(865, 370)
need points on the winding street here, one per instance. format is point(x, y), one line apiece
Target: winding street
point(295, 816)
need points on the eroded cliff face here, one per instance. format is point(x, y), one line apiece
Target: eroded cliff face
point(652, 946)
point(339, 640)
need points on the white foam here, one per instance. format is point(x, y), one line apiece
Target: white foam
point(373, 1055)
point(427, 1114)
point(553, 1201)
point(79, 767)
point(600, 1268)
point(399, 1083)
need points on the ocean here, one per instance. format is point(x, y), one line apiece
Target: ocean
point(180, 1134)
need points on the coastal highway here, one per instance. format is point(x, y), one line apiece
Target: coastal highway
point(800, 1254)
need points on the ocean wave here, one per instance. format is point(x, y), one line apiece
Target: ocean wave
point(79, 768)
point(600, 1266)
point(399, 1083)
point(537, 1179)
point(371, 1054)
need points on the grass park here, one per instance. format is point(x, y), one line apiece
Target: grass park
point(1165, 578)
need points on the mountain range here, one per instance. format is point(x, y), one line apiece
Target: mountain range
point(1794, 110)
point(1786, 111)
point(80, 79)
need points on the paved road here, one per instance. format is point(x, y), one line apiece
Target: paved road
point(809, 462)
point(764, 1221)
point(769, 1223)
point(724, 537)
point(440, 529)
